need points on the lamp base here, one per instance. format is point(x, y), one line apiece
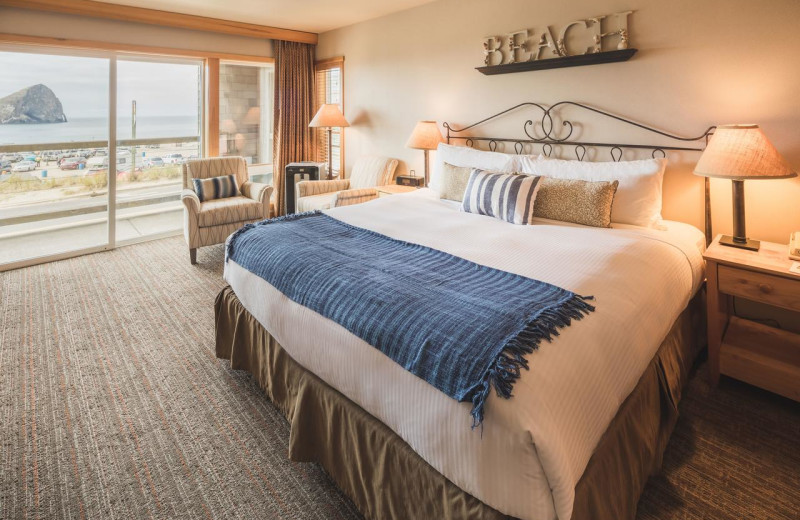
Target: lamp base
point(746, 243)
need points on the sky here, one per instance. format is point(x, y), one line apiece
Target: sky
point(81, 83)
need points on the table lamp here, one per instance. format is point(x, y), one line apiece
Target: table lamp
point(329, 116)
point(426, 136)
point(253, 116)
point(228, 128)
point(740, 152)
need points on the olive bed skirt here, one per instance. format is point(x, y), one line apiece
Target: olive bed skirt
point(386, 479)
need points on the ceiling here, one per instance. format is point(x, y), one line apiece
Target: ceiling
point(302, 15)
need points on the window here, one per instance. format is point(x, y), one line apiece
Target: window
point(245, 115)
point(52, 138)
point(328, 83)
point(97, 162)
point(159, 113)
point(68, 184)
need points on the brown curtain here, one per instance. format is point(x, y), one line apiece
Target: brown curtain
point(294, 109)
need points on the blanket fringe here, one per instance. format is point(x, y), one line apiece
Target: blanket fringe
point(246, 227)
point(507, 366)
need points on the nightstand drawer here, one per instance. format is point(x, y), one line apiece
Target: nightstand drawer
point(760, 287)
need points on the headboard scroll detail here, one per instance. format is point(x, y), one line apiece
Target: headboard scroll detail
point(545, 132)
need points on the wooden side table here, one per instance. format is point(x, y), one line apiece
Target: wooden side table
point(394, 189)
point(763, 356)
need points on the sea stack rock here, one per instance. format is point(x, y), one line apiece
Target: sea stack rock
point(32, 105)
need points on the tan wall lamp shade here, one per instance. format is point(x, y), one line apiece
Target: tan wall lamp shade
point(426, 136)
point(329, 116)
point(253, 116)
point(740, 152)
point(227, 126)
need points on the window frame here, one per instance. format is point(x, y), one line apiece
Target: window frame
point(336, 62)
point(271, 64)
point(209, 112)
point(210, 77)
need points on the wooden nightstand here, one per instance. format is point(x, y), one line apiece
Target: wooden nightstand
point(394, 189)
point(746, 350)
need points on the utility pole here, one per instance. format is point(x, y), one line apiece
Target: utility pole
point(133, 136)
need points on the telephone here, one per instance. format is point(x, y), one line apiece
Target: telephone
point(794, 246)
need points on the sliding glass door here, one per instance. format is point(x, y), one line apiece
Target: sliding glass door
point(63, 189)
point(158, 129)
point(54, 122)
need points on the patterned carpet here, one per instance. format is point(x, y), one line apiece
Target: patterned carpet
point(112, 405)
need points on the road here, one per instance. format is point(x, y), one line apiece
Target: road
point(90, 202)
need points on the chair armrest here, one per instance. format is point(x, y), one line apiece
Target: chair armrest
point(259, 192)
point(308, 188)
point(191, 201)
point(357, 196)
point(256, 191)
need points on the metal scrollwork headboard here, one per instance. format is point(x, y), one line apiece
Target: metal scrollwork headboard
point(546, 133)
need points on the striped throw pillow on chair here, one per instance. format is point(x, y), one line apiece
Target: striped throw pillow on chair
point(215, 187)
point(508, 197)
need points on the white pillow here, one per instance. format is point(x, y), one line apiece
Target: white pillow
point(465, 156)
point(638, 198)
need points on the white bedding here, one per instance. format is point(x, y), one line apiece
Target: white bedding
point(535, 446)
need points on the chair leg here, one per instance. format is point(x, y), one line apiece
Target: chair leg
point(193, 255)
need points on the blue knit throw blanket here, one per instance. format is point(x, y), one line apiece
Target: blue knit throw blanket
point(462, 327)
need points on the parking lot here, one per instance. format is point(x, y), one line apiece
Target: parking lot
point(59, 164)
point(67, 203)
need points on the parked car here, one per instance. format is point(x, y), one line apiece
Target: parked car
point(174, 158)
point(97, 163)
point(101, 162)
point(24, 166)
point(72, 163)
point(11, 157)
point(153, 162)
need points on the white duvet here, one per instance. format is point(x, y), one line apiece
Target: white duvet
point(535, 446)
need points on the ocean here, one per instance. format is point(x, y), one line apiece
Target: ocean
point(96, 129)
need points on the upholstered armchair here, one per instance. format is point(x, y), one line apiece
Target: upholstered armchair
point(210, 222)
point(367, 173)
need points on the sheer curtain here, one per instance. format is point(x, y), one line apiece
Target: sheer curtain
point(294, 109)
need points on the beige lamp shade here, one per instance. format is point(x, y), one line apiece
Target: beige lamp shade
point(328, 116)
point(742, 152)
point(227, 126)
point(426, 136)
point(253, 116)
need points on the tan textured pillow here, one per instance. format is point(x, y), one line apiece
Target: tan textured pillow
point(453, 182)
point(582, 202)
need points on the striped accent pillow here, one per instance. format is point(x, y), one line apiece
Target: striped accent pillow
point(215, 187)
point(509, 197)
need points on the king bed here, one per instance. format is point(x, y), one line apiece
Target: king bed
point(587, 421)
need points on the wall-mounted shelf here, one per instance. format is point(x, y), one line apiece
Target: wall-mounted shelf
point(558, 63)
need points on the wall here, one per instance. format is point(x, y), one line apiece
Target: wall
point(699, 64)
point(36, 23)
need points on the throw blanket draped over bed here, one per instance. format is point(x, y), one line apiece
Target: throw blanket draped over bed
point(462, 327)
